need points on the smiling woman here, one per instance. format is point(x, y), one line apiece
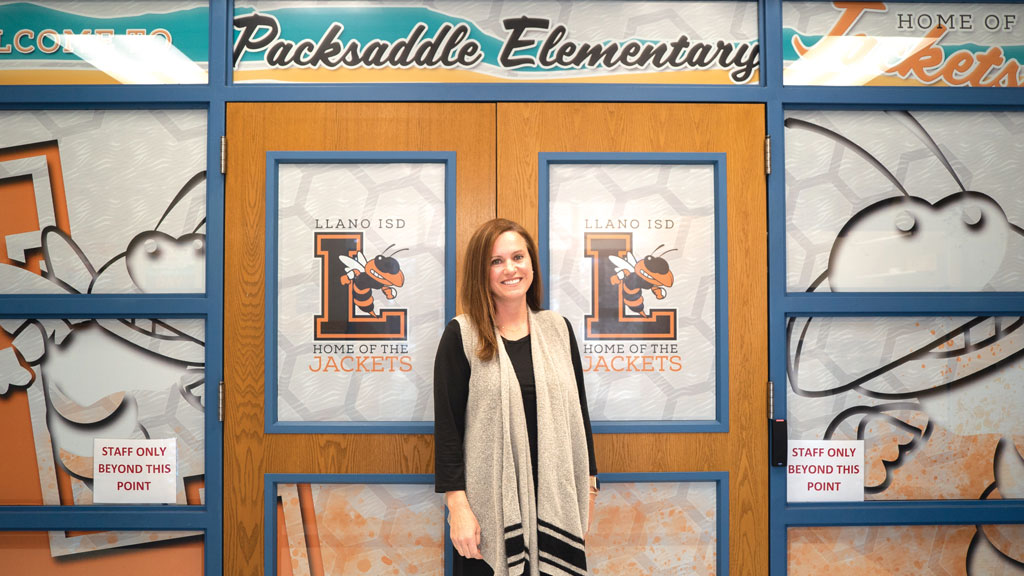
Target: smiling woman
point(507, 360)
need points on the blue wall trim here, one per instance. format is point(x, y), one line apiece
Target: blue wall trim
point(274, 161)
point(905, 304)
point(155, 517)
point(931, 512)
point(718, 163)
point(108, 305)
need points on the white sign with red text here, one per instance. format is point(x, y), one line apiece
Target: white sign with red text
point(134, 471)
point(825, 471)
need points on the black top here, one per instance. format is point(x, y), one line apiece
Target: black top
point(451, 367)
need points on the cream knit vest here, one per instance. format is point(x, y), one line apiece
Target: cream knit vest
point(499, 479)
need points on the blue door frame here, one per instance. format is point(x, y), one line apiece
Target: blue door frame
point(770, 92)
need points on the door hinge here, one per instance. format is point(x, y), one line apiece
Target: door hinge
point(223, 154)
point(771, 399)
point(220, 402)
point(767, 155)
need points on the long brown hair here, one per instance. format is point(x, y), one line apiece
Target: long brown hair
point(477, 302)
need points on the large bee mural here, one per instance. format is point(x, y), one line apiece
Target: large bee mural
point(938, 401)
point(633, 276)
point(109, 377)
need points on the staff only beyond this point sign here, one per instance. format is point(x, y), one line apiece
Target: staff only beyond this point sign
point(825, 471)
point(134, 471)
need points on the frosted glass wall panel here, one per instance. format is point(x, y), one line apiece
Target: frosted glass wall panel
point(102, 201)
point(993, 550)
point(632, 266)
point(356, 529)
point(904, 201)
point(29, 553)
point(939, 402)
point(654, 528)
point(110, 42)
point(64, 383)
point(361, 287)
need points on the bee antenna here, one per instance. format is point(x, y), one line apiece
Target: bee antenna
point(667, 251)
point(915, 126)
point(656, 249)
point(850, 144)
point(385, 251)
point(397, 251)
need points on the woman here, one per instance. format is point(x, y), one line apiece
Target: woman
point(514, 453)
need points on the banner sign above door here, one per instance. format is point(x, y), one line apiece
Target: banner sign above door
point(467, 42)
point(54, 42)
point(897, 44)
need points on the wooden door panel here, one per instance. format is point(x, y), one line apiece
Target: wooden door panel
point(493, 145)
point(527, 129)
point(252, 131)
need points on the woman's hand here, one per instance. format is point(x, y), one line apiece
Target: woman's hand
point(464, 529)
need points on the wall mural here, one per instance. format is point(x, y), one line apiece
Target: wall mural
point(102, 202)
point(907, 202)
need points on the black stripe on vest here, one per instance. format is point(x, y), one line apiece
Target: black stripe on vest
point(515, 545)
point(557, 567)
point(556, 547)
point(555, 529)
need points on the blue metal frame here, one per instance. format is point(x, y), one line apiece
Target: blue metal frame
point(208, 307)
point(770, 92)
point(271, 481)
point(718, 163)
point(784, 305)
point(274, 160)
point(207, 518)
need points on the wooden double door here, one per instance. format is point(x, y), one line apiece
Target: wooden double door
point(497, 148)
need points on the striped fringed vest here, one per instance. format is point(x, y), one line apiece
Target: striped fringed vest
point(523, 532)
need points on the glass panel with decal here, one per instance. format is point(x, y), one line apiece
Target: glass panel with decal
point(114, 42)
point(938, 402)
point(168, 553)
point(103, 201)
point(359, 529)
point(902, 44)
point(633, 268)
point(654, 528)
point(361, 289)
point(511, 41)
point(991, 550)
point(904, 201)
point(66, 382)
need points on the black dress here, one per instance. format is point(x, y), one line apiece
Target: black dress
point(452, 368)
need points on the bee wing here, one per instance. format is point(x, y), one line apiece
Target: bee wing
point(622, 266)
point(631, 259)
point(353, 265)
point(362, 258)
